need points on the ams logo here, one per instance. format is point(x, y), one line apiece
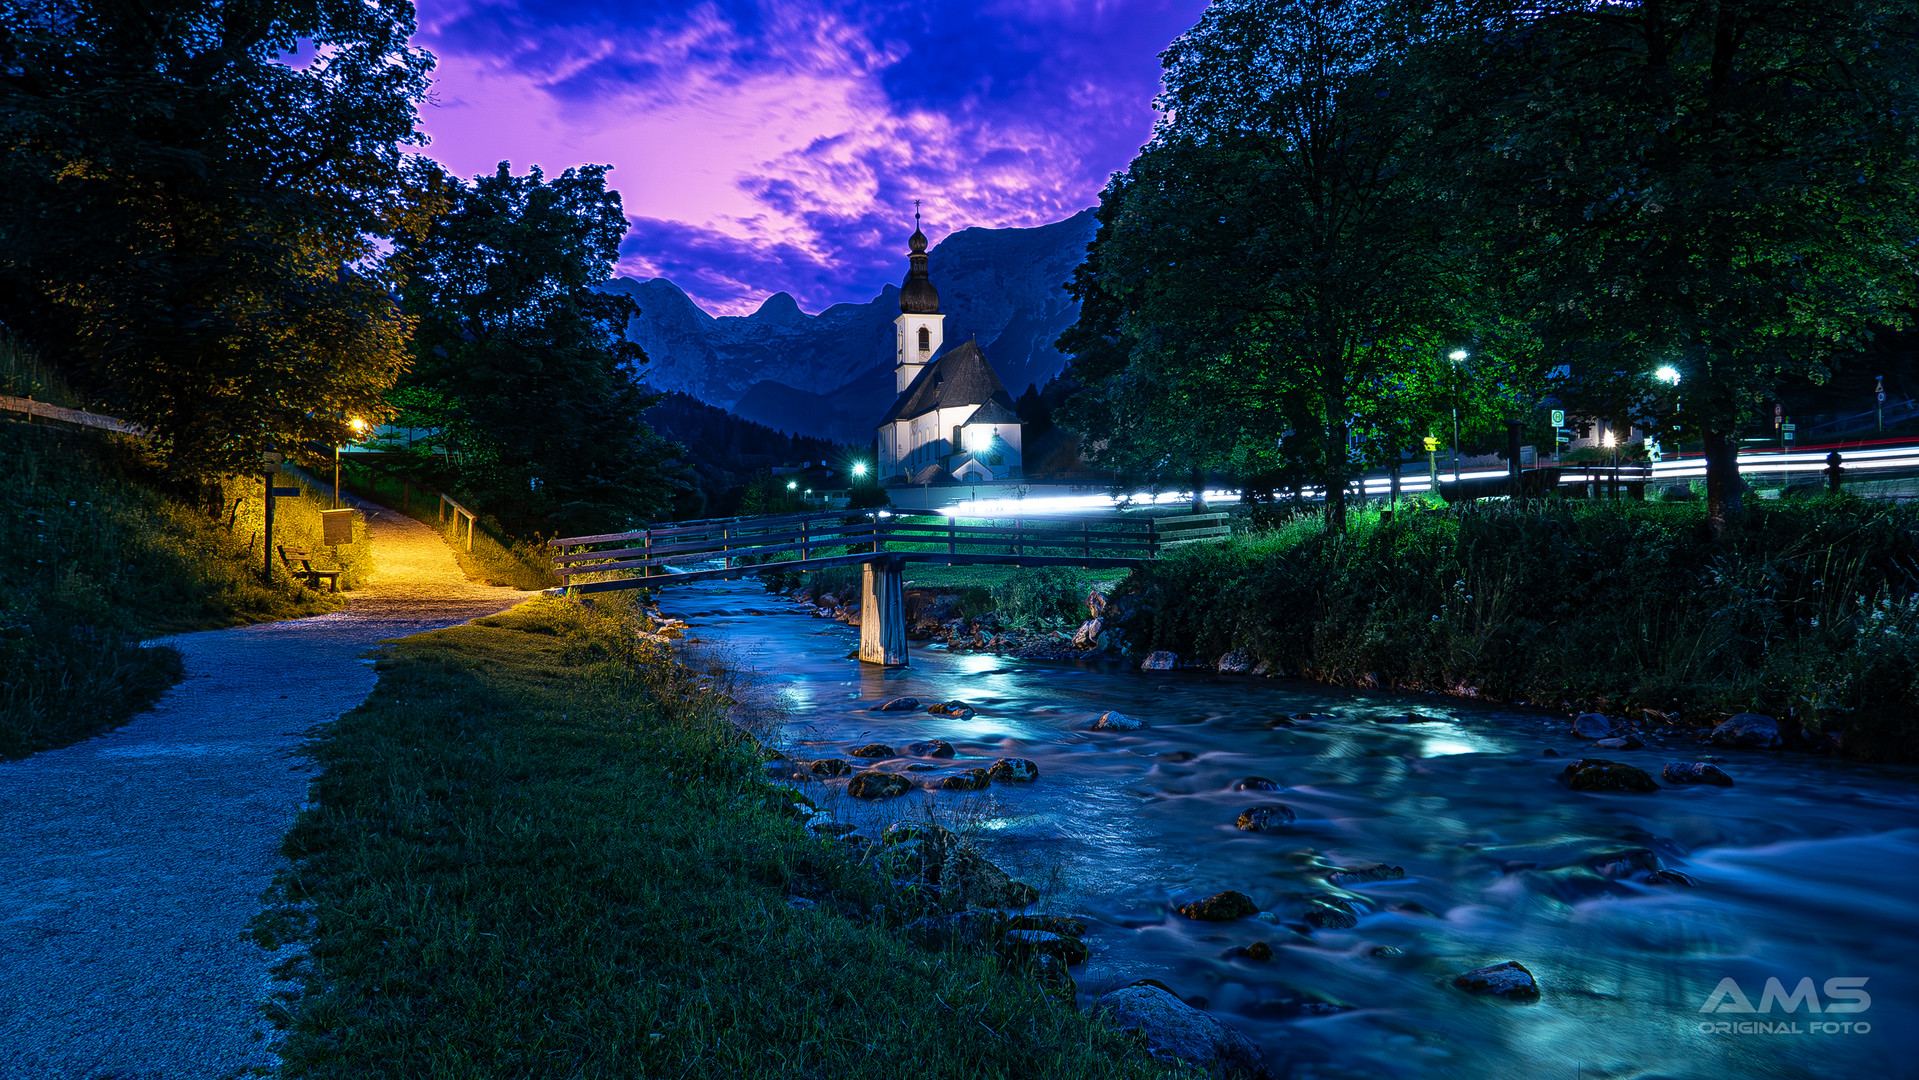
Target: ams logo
point(1845, 995)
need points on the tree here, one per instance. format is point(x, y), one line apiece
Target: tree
point(525, 361)
point(190, 221)
point(1724, 187)
point(1273, 275)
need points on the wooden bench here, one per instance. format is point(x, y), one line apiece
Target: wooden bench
point(289, 556)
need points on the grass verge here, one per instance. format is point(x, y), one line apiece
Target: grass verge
point(99, 552)
point(542, 849)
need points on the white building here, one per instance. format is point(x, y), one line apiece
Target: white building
point(952, 420)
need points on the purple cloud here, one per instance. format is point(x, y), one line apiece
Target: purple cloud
point(779, 145)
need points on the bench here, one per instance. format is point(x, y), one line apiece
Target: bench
point(289, 556)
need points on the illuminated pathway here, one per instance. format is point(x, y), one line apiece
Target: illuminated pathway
point(130, 864)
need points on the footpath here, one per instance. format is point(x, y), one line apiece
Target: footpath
point(131, 863)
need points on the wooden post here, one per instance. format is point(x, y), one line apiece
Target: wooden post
point(882, 613)
point(266, 559)
point(952, 538)
point(1152, 538)
point(726, 546)
point(806, 532)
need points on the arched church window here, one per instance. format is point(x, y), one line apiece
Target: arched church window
point(926, 339)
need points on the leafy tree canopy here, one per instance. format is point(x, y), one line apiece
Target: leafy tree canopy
point(523, 363)
point(192, 197)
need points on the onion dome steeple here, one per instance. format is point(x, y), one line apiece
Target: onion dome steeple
point(917, 295)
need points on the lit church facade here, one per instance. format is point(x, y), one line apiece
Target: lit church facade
point(952, 420)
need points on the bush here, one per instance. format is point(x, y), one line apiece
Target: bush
point(1042, 596)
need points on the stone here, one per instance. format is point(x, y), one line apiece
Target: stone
point(1095, 603)
point(1592, 725)
point(1159, 661)
point(1695, 772)
point(1053, 924)
point(1258, 950)
point(898, 704)
point(1234, 663)
point(940, 858)
point(1013, 770)
point(970, 780)
point(1354, 875)
point(951, 708)
point(1087, 636)
point(1117, 721)
point(1178, 757)
point(938, 748)
point(1670, 877)
point(920, 766)
point(1385, 952)
point(878, 785)
point(1510, 981)
point(1747, 731)
point(1265, 818)
point(1176, 1032)
point(829, 600)
point(1622, 742)
point(1327, 916)
point(833, 828)
point(874, 750)
point(1257, 783)
point(1020, 946)
point(1409, 718)
point(1050, 972)
point(830, 767)
point(1549, 752)
point(1596, 774)
point(1220, 907)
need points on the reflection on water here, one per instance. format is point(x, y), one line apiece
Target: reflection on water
point(1805, 869)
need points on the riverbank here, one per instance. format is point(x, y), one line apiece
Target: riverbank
point(541, 848)
point(1807, 611)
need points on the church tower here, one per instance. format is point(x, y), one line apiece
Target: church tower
point(917, 333)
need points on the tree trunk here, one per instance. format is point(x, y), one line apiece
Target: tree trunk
point(1722, 480)
point(1198, 479)
point(1336, 478)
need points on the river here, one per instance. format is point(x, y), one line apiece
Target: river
point(1805, 868)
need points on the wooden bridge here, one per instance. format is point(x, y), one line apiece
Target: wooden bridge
point(881, 541)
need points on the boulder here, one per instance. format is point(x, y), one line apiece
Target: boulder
point(1159, 661)
point(1597, 774)
point(1747, 731)
point(1088, 633)
point(1051, 973)
point(878, 785)
point(942, 859)
point(1354, 875)
point(1176, 1032)
point(1622, 742)
point(1095, 602)
point(1509, 980)
point(1234, 663)
point(898, 704)
point(1013, 770)
point(1116, 721)
point(1695, 772)
point(1265, 818)
point(1323, 914)
point(1220, 907)
point(1258, 950)
point(970, 780)
point(1021, 946)
point(829, 600)
point(1670, 877)
point(830, 767)
point(951, 708)
point(1257, 783)
point(938, 748)
point(874, 750)
point(1592, 725)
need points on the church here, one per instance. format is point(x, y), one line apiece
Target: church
point(952, 420)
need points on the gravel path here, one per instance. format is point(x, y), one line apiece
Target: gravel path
point(131, 863)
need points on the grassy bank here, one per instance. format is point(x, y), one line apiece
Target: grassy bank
point(1808, 610)
point(540, 849)
point(98, 553)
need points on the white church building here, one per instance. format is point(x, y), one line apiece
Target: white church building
point(953, 419)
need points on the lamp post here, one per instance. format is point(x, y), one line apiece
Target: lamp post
point(1457, 356)
point(358, 425)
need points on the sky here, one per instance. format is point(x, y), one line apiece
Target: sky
point(778, 145)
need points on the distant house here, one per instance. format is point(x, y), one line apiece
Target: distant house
point(953, 419)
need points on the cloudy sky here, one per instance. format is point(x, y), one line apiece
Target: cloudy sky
point(768, 145)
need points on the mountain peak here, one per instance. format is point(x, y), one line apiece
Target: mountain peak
point(780, 307)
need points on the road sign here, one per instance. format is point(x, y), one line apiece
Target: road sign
point(272, 458)
point(1563, 435)
point(1432, 444)
point(1559, 418)
point(336, 526)
point(286, 493)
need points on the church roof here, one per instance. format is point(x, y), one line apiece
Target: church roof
point(917, 294)
point(959, 377)
point(993, 413)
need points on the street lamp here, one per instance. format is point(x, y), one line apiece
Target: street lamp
point(1457, 356)
point(1668, 375)
point(859, 468)
point(358, 425)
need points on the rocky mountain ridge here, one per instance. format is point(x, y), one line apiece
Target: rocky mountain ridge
point(831, 375)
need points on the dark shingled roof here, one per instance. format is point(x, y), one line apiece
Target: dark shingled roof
point(959, 377)
point(993, 413)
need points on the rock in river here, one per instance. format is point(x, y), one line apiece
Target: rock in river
point(1621, 742)
point(1022, 945)
point(951, 708)
point(1175, 1031)
point(1159, 661)
point(1354, 875)
point(1220, 907)
point(970, 780)
point(1670, 877)
point(938, 748)
point(830, 767)
point(1747, 731)
point(1509, 980)
point(1592, 725)
point(1257, 783)
point(1234, 663)
point(1265, 818)
point(1597, 774)
point(898, 704)
point(1696, 772)
point(1015, 770)
point(1117, 721)
point(874, 750)
point(878, 785)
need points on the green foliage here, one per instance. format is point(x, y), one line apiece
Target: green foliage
point(1627, 603)
point(1042, 596)
point(522, 364)
point(98, 552)
point(191, 210)
point(22, 374)
point(539, 849)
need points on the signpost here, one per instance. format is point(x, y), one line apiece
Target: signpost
point(270, 464)
point(1432, 462)
point(1879, 403)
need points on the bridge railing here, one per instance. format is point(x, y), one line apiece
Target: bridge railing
point(814, 540)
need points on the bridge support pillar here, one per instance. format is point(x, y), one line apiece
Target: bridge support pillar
point(882, 613)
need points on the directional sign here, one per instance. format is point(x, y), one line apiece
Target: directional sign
point(1559, 418)
point(272, 458)
point(1432, 444)
point(286, 493)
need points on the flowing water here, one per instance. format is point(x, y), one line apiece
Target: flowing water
point(1806, 868)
